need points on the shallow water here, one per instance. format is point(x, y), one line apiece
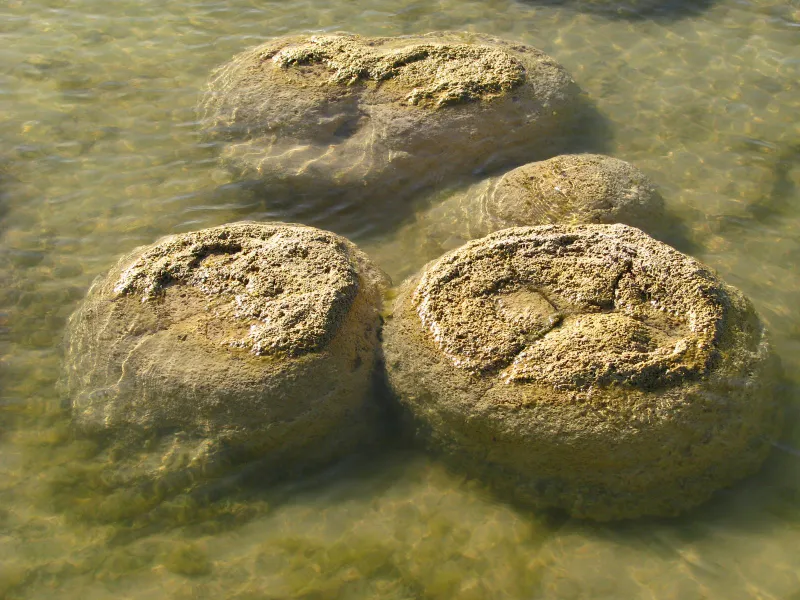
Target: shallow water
point(100, 152)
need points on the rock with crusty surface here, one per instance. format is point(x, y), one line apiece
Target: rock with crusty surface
point(587, 367)
point(233, 343)
point(344, 114)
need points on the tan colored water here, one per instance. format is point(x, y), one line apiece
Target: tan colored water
point(100, 152)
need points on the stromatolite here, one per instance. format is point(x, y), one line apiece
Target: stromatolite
point(243, 341)
point(348, 115)
point(587, 367)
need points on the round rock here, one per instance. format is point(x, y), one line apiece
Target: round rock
point(589, 367)
point(346, 114)
point(256, 339)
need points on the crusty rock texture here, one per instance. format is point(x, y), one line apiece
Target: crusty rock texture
point(339, 113)
point(588, 367)
point(257, 339)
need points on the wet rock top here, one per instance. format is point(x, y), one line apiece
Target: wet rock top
point(574, 306)
point(432, 74)
point(281, 289)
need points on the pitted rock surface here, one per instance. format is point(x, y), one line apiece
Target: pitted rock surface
point(290, 286)
point(601, 309)
point(438, 73)
point(586, 367)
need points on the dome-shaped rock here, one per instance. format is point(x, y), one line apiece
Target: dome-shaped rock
point(251, 339)
point(569, 189)
point(595, 368)
point(344, 114)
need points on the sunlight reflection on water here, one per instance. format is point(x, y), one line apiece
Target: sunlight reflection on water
point(100, 152)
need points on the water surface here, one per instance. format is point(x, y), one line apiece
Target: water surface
point(100, 152)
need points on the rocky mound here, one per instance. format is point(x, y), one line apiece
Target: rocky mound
point(596, 369)
point(343, 114)
point(249, 340)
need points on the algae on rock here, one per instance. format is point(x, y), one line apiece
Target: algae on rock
point(588, 367)
point(573, 189)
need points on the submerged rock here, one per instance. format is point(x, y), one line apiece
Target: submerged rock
point(343, 114)
point(588, 367)
point(239, 342)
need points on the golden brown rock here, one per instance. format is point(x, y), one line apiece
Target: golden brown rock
point(595, 368)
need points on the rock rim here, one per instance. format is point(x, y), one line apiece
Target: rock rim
point(600, 371)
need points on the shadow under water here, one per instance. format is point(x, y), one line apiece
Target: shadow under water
point(635, 10)
point(672, 230)
point(100, 480)
point(6, 184)
point(778, 202)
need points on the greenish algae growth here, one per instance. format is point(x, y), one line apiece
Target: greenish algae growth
point(11, 577)
point(187, 559)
